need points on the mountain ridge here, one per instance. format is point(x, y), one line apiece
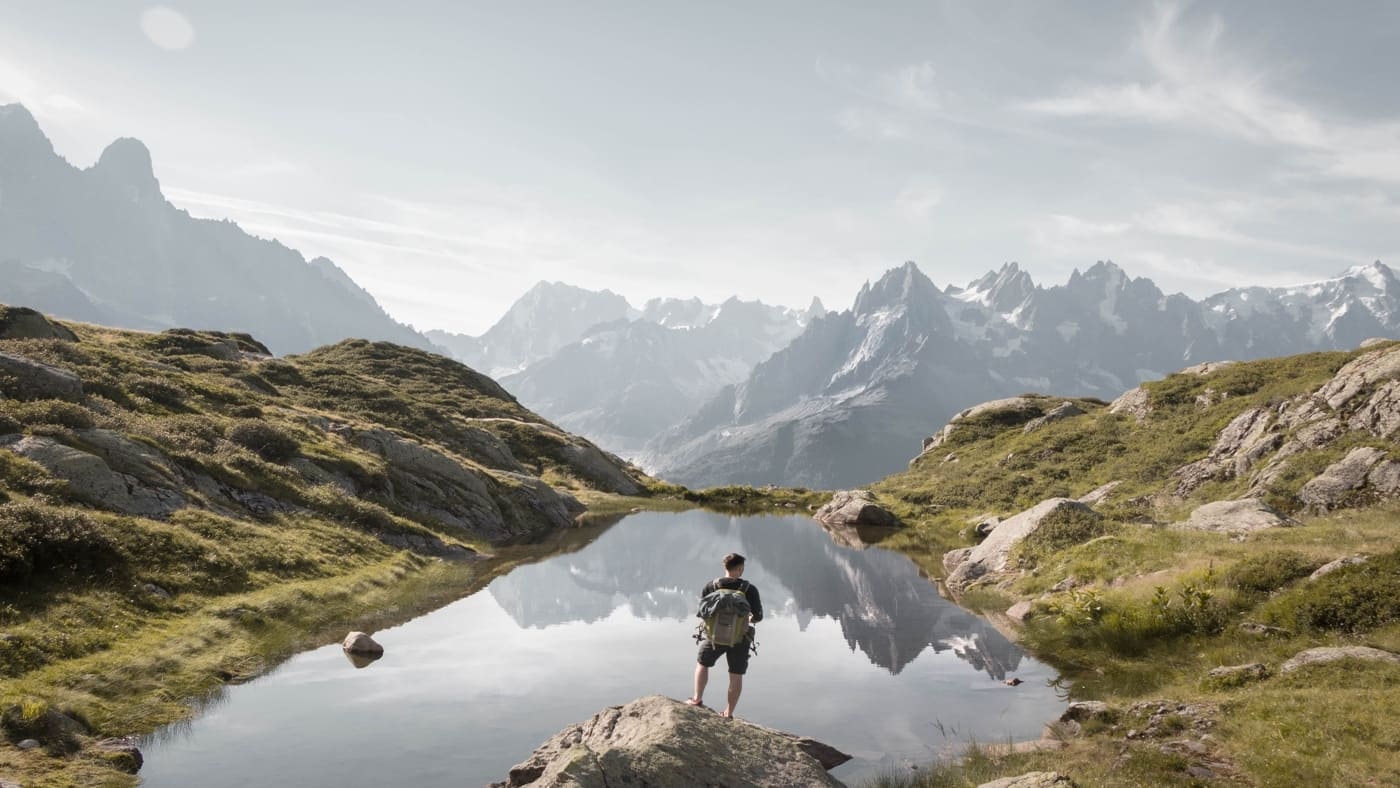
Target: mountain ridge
point(872, 381)
point(132, 259)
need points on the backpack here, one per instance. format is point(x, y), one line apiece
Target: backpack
point(725, 615)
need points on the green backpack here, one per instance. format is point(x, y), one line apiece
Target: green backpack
point(725, 615)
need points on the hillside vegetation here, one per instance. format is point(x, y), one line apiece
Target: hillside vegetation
point(1180, 588)
point(179, 510)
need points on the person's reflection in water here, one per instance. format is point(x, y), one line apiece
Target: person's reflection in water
point(737, 656)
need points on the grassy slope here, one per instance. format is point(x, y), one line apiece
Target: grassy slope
point(1157, 607)
point(82, 630)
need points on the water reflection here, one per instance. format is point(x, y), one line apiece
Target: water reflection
point(885, 608)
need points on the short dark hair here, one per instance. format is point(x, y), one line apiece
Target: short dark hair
point(733, 561)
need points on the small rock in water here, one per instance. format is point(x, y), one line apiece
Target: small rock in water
point(361, 643)
point(1011, 682)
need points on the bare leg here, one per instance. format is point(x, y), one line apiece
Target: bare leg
point(736, 686)
point(702, 677)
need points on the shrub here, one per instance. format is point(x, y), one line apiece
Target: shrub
point(1267, 572)
point(155, 390)
point(267, 441)
point(8, 424)
point(1357, 598)
point(39, 541)
point(51, 411)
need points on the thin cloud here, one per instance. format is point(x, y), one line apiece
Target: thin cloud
point(1195, 81)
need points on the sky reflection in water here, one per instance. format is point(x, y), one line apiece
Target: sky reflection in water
point(857, 649)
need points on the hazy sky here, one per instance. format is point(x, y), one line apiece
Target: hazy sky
point(450, 154)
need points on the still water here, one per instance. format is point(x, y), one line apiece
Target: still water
point(856, 649)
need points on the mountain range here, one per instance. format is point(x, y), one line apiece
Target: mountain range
point(595, 365)
point(851, 398)
point(104, 245)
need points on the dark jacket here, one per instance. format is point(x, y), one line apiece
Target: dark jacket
point(738, 583)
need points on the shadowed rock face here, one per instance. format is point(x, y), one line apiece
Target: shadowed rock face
point(659, 742)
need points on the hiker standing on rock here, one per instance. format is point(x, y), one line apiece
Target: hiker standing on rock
point(729, 606)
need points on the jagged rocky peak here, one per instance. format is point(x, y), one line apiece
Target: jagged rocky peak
point(899, 286)
point(815, 310)
point(1002, 290)
point(20, 135)
point(678, 312)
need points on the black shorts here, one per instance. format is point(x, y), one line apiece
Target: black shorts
point(737, 656)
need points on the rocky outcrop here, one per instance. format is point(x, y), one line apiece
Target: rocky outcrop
point(1135, 402)
point(855, 507)
point(1206, 368)
point(1099, 494)
point(1243, 442)
point(1332, 566)
point(663, 743)
point(91, 478)
point(25, 378)
point(1012, 410)
point(18, 322)
point(499, 507)
point(1363, 468)
point(991, 556)
point(1318, 656)
point(1032, 780)
point(1243, 515)
point(1060, 412)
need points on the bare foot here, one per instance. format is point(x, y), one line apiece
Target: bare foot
point(726, 714)
point(695, 702)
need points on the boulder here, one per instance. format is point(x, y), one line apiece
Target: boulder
point(31, 379)
point(1332, 566)
point(90, 477)
point(991, 555)
point(1237, 675)
point(1330, 489)
point(361, 643)
point(1059, 413)
point(1318, 656)
point(120, 752)
point(19, 322)
point(855, 507)
point(1085, 710)
point(1133, 402)
point(953, 558)
point(659, 742)
point(1239, 516)
point(1032, 780)
point(1019, 612)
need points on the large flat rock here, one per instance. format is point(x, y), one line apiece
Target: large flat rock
point(663, 743)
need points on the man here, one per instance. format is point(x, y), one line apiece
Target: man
point(737, 655)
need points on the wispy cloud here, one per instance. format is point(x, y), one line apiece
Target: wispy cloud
point(911, 88)
point(1195, 80)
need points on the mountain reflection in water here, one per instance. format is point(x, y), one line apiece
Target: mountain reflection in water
point(883, 605)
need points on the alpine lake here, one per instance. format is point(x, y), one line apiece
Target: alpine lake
point(856, 649)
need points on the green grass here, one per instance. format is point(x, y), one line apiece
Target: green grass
point(1154, 608)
